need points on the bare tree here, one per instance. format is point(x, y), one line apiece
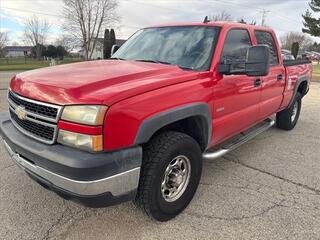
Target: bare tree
point(305, 42)
point(36, 32)
point(253, 22)
point(86, 18)
point(68, 42)
point(222, 16)
point(3, 40)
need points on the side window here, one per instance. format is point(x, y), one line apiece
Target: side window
point(267, 39)
point(236, 45)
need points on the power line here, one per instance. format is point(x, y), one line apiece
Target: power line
point(152, 5)
point(264, 11)
point(280, 15)
point(48, 14)
point(250, 7)
point(31, 11)
point(226, 2)
point(156, 6)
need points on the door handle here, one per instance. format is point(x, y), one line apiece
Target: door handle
point(279, 77)
point(257, 82)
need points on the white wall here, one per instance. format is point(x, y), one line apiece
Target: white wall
point(98, 51)
point(15, 54)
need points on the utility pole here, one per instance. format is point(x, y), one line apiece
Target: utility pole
point(264, 16)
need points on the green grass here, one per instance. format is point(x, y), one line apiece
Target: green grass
point(316, 73)
point(16, 64)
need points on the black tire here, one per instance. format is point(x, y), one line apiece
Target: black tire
point(157, 155)
point(284, 118)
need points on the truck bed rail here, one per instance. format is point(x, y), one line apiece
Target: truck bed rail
point(288, 63)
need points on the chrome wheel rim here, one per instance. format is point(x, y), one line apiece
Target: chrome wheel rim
point(176, 178)
point(294, 111)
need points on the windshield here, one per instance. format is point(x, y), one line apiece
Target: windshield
point(187, 47)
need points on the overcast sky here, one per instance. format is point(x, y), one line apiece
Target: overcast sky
point(282, 15)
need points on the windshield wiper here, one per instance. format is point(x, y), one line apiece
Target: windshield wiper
point(185, 68)
point(115, 58)
point(153, 61)
point(162, 62)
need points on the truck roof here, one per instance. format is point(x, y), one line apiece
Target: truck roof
point(213, 23)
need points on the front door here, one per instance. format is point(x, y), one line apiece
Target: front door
point(236, 97)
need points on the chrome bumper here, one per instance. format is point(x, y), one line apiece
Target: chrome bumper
point(117, 185)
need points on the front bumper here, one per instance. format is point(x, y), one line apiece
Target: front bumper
point(96, 180)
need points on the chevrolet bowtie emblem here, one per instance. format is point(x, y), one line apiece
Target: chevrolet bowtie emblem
point(21, 112)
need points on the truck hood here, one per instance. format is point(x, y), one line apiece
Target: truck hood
point(96, 82)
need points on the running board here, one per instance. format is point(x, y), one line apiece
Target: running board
point(238, 141)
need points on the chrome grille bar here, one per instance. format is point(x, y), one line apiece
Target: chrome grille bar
point(30, 113)
point(34, 131)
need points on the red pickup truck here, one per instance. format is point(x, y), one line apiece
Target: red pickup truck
point(137, 126)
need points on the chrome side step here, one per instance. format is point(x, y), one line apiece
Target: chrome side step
point(238, 141)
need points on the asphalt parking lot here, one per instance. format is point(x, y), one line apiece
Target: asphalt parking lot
point(268, 188)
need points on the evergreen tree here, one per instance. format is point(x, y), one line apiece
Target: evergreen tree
point(112, 37)
point(61, 52)
point(51, 51)
point(295, 49)
point(312, 24)
point(106, 44)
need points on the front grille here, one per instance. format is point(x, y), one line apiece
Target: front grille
point(43, 132)
point(43, 110)
point(37, 120)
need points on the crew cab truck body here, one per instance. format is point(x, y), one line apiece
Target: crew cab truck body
point(136, 126)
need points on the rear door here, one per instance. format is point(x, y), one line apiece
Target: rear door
point(236, 97)
point(272, 84)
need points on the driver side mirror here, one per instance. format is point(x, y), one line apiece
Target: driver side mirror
point(256, 63)
point(114, 49)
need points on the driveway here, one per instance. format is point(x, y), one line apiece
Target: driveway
point(268, 188)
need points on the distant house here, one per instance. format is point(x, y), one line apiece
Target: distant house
point(98, 50)
point(16, 51)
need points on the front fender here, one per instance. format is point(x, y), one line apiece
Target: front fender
point(151, 125)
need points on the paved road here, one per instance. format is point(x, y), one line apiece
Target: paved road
point(268, 188)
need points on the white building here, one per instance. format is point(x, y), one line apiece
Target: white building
point(16, 51)
point(98, 50)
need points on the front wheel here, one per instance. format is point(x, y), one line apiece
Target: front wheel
point(288, 118)
point(170, 174)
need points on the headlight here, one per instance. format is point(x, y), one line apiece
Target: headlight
point(85, 114)
point(82, 141)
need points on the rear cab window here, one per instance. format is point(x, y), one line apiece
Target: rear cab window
point(266, 38)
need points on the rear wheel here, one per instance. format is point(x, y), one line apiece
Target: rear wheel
point(288, 118)
point(170, 174)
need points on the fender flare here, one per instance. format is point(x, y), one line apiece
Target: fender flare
point(296, 87)
point(151, 125)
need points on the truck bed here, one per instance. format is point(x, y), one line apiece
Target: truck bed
point(296, 70)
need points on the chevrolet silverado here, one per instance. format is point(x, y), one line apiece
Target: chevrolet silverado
point(138, 125)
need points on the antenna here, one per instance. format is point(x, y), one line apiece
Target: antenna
point(206, 20)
